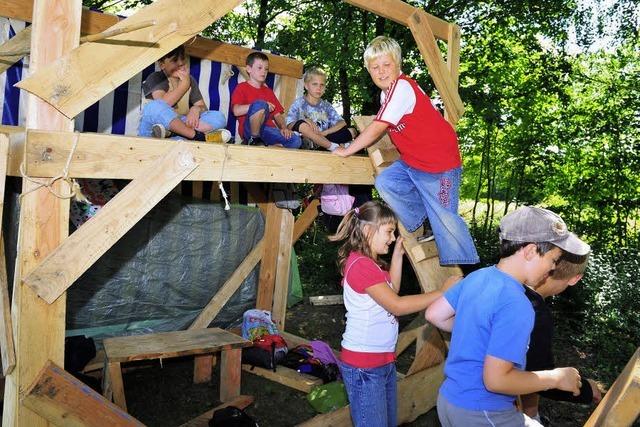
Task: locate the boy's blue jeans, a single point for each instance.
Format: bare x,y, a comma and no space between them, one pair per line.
158,111
270,135
372,395
415,195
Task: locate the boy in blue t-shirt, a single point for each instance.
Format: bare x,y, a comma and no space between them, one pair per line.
491,320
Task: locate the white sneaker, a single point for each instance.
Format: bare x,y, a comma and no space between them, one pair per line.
220,136
158,131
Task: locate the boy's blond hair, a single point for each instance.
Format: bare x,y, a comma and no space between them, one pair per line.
314,71
570,266
382,45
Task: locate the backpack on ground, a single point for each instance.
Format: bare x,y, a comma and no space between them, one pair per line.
230,416
269,348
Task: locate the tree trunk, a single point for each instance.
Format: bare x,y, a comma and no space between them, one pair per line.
261,23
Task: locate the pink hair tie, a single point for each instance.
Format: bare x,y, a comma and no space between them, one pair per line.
357,212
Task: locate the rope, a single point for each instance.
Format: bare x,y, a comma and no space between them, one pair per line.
220,186
48,183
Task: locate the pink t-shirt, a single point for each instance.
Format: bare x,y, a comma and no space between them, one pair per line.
244,94
370,337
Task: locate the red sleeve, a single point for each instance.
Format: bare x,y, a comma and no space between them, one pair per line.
365,273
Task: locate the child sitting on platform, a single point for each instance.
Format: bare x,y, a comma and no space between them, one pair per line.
176,106
424,183
259,113
315,118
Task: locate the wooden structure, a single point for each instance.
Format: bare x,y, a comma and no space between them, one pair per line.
67,78
166,345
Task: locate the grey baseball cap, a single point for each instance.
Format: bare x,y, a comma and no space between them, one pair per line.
537,225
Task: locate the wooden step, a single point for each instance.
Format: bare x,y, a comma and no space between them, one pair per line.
286,376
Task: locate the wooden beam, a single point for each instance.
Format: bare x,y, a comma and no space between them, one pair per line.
213,50
7,348
79,251
423,35
287,91
431,349
453,61
211,310
305,219
230,372
268,265
401,12
283,268
417,394
621,405
286,376
39,328
78,79
14,49
16,136
122,157
63,400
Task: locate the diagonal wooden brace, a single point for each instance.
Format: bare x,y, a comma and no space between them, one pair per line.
87,73
442,78
79,251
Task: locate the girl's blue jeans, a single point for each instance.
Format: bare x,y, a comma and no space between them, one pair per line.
269,135
372,395
159,112
415,195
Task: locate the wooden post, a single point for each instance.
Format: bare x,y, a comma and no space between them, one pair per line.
7,348
268,265
453,61
283,268
230,371
38,327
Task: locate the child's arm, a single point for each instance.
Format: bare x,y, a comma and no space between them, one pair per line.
284,130
440,314
171,97
193,116
395,271
500,376
397,305
368,136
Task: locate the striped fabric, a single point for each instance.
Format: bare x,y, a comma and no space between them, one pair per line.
119,111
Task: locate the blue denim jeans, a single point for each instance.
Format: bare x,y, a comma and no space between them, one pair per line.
270,135
372,395
158,111
415,195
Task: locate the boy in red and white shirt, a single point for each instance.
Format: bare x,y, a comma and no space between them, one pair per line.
424,184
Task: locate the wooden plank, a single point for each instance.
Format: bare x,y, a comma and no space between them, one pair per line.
63,400
418,24
287,90
165,345
430,352
283,268
122,157
305,219
621,405
384,157
39,328
213,50
453,61
14,49
89,72
326,300
7,349
79,251
286,376
116,386
268,265
417,394
203,368
16,137
424,250
400,12
230,371
211,310
241,402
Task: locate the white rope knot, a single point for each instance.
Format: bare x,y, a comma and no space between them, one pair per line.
48,183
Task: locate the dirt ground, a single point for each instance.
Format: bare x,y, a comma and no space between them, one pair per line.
166,396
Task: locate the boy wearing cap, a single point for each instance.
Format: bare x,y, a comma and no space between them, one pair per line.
491,319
